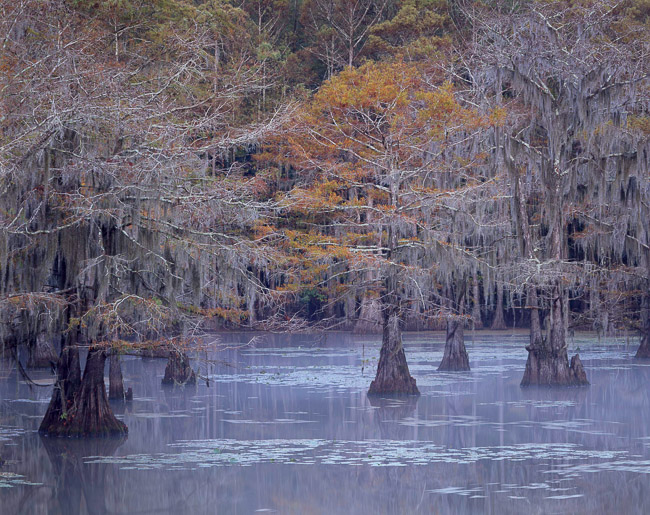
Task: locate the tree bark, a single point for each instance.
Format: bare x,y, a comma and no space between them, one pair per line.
178,370
66,388
455,357
393,376
90,415
548,363
115,381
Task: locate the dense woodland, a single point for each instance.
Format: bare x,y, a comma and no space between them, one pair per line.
172,167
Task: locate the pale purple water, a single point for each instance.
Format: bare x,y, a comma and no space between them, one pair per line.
286,427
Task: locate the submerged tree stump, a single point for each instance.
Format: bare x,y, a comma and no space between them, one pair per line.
393,376
90,414
115,380
41,353
178,370
455,358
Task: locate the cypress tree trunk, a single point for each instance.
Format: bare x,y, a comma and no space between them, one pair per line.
66,389
476,304
178,370
90,415
499,322
115,381
93,415
548,363
393,376
644,348
455,357
370,318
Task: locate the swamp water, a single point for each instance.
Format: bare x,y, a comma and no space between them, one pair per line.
286,427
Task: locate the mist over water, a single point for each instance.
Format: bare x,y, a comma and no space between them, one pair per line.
286,427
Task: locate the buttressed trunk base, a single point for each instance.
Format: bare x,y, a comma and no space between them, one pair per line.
545,368
90,414
393,376
548,363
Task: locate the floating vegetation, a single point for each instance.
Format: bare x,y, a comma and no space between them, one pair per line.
162,415
455,490
457,421
376,453
638,467
10,479
339,368
274,421
29,401
539,404
7,434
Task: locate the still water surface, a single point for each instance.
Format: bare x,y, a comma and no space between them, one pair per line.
286,427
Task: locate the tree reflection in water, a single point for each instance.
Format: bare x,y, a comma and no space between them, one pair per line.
80,487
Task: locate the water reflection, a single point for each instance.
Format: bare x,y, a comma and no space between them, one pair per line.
78,485
286,426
